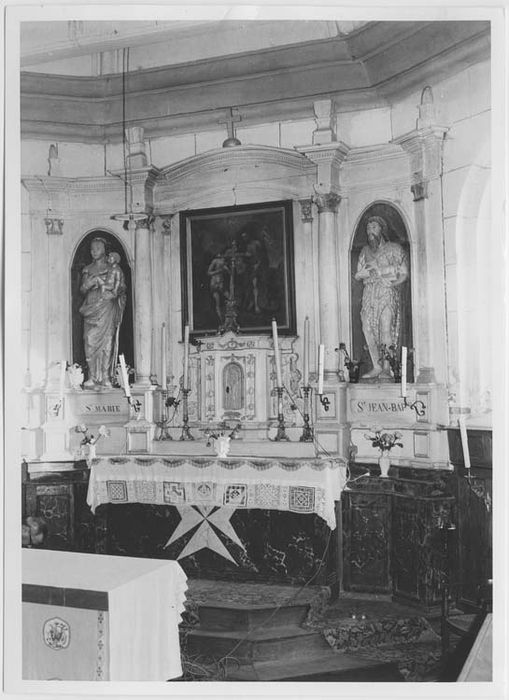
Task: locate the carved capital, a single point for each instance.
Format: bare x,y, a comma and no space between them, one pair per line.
167,223
306,211
420,190
145,223
327,202
54,227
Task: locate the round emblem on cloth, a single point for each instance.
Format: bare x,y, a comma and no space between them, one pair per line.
56,633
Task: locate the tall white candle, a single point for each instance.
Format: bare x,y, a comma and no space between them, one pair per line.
277,358
163,356
125,378
186,358
63,369
404,352
321,361
306,352
464,441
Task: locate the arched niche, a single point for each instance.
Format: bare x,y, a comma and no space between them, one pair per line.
82,258
397,232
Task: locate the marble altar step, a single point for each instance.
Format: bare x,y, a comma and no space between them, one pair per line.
262,644
318,667
239,617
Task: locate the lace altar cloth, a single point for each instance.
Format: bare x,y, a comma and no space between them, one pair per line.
295,485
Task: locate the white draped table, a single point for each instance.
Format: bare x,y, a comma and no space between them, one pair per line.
295,485
97,617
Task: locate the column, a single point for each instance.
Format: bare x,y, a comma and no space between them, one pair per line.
327,205
328,158
143,303
425,148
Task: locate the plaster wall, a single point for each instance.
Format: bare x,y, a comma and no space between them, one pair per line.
375,169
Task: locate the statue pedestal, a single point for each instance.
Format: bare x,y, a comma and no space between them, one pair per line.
56,431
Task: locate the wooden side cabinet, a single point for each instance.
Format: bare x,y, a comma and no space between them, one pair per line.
367,541
59,497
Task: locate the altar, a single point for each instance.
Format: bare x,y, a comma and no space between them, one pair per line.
88,617
240,518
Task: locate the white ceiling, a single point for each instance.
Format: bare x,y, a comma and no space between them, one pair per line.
85,48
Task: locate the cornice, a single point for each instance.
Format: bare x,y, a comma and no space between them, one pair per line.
239,156
51,184
279,82
366,155
334,153
413,140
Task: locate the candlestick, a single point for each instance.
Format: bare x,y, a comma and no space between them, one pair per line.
276,354
125,378
186,433
307,431
403,370
186,359
464,441
281,432
163,357
321,359
306,352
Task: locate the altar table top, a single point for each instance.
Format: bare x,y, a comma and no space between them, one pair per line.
296,485
144,599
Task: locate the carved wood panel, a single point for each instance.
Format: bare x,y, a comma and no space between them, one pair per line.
366,543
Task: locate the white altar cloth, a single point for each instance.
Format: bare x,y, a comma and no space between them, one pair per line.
296,485
98,617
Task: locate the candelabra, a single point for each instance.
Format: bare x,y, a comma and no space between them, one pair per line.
134,404
418,406
324,401
281,433
57,408
164,425
307,431
186,433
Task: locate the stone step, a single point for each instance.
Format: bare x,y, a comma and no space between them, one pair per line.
239,617
328,666
265,644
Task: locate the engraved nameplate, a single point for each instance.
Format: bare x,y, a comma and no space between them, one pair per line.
106,408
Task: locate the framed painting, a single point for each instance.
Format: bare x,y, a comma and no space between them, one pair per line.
238,269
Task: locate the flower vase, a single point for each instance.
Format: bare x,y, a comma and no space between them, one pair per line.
91,452
222,446
384,462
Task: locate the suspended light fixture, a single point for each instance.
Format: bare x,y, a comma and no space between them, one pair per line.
128,216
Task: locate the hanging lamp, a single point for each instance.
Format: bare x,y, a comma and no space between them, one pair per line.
128,216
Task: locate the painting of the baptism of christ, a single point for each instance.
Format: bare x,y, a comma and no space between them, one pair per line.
237,268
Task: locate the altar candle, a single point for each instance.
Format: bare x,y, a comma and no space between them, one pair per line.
404,352
464,441
306,352
63,369
163,356
125,378
186,358
321,359
277,358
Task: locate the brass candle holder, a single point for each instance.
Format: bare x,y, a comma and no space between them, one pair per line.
186,433
307,431
281,432
164,425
